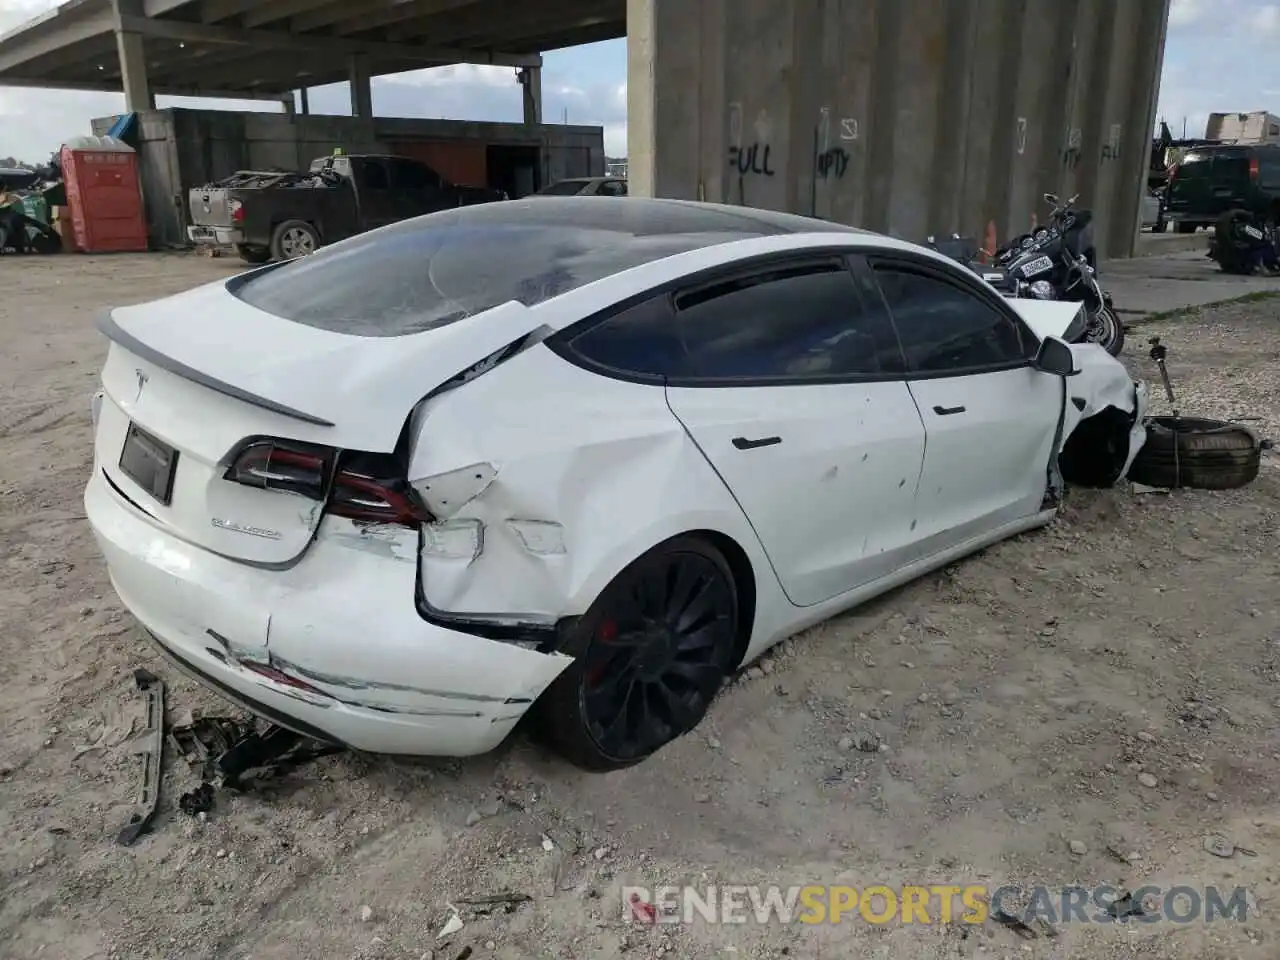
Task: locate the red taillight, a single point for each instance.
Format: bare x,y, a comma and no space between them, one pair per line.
1253,168
278,465
237,210
359,486
361,496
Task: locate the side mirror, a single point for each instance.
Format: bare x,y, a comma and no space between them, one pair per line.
1055,357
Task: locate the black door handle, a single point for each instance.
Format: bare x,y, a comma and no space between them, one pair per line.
742,443
947,411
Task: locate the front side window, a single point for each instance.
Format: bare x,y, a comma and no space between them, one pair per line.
788,324
944,328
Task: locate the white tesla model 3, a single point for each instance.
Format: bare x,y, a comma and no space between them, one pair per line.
587,454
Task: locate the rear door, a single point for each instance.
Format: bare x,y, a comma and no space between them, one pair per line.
794,394
990,417
379,203
419,189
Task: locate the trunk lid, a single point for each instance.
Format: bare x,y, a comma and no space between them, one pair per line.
202,372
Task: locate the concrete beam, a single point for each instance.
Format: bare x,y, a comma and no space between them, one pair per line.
133,72
339,15
512,22
278,40
215,11
361,87
280,74
16,51
159,8
531,87
163,91
276,10
572,38
322,16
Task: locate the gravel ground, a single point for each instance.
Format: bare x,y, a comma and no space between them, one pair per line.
1084,705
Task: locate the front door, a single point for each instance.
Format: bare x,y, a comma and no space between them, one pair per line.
795,395
991,419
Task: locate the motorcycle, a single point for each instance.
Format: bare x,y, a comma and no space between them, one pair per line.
1054,262
1240,242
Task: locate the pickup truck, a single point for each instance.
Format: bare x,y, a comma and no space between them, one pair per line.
278,215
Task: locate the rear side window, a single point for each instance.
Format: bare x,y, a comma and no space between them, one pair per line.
409,175
801,323
373,175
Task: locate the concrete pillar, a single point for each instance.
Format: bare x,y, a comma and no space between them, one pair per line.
530,79
361,88
304,104
909,117
133,72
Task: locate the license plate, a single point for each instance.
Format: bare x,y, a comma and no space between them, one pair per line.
1038,265
150,463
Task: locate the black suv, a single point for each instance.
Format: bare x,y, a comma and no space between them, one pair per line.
1209,181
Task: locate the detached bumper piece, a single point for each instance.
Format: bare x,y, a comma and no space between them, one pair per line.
152,750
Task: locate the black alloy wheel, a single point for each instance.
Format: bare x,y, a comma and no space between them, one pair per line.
652,653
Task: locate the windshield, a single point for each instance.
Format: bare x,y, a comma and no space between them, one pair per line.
565,188
424,273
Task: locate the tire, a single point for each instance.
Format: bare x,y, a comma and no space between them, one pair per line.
1231,256
1109,331
1198,453
254,255
1181,227
626,639
294,238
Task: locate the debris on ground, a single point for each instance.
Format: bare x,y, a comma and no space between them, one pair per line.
1220,846
267,753
202,741
197,801
151,748
452,925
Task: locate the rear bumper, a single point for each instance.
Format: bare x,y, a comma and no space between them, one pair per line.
331,647
215,236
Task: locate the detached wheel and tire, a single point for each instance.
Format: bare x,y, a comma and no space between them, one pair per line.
1198,453
294,238
651,654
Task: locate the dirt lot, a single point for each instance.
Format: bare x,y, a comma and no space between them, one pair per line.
1023,697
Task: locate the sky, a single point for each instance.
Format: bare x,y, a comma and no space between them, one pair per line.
1219,57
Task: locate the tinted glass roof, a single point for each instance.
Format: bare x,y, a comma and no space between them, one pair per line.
423,273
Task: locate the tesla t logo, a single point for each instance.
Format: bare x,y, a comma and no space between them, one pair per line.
142,382
232,527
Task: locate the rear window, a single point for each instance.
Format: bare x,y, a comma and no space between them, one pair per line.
565,188
434,270
1193,166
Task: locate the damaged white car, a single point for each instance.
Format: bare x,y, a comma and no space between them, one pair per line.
583,455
